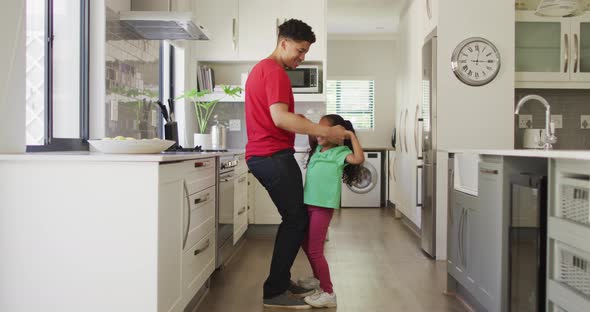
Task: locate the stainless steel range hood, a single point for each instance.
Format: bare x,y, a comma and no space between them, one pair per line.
162,25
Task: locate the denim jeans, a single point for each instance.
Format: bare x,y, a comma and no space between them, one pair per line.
281,176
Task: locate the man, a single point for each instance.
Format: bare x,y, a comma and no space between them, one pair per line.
271,126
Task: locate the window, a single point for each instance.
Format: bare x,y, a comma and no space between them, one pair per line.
57,75
353,99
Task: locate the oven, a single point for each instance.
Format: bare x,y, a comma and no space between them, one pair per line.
225,208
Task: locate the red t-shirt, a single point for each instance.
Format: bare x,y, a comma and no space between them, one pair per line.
267,84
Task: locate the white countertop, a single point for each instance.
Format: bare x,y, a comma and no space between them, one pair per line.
95,156
565,154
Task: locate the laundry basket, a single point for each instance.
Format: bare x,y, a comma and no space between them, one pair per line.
572,268
574,200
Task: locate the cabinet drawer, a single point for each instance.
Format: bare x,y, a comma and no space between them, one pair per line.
572,267
198,263
201,218
573,200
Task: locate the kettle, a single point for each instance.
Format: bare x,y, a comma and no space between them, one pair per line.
218,135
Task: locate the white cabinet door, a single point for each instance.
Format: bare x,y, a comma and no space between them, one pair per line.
170,205
258,28
240,206
543,48
265,211
580,63
220,17
313,13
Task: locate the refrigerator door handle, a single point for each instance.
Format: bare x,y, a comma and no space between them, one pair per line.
417,136
419,186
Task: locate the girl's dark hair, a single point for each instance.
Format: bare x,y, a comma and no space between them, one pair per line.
296,30
352,173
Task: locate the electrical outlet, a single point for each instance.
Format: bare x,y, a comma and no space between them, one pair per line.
525,121
235,125
557,120
585,122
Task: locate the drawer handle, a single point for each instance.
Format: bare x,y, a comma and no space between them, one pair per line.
201,199
200,164
488,171
200,250
188,222
242,210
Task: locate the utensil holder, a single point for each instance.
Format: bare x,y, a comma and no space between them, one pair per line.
171,133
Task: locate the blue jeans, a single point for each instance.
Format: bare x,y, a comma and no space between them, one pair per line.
281,176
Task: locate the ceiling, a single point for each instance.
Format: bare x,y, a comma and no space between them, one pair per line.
356,17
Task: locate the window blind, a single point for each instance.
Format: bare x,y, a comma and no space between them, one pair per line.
353,100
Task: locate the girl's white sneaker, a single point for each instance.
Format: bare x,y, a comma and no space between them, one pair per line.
321,300
309,282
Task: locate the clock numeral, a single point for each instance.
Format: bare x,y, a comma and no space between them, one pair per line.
470,73
484,48
470,49
465,68
464,54
484,73
489,54
463,61
477,47
476,75
491,61
488,68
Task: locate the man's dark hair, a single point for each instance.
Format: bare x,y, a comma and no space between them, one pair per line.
296,30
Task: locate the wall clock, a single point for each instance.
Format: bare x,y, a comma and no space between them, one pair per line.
475,61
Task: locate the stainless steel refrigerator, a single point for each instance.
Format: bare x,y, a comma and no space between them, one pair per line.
427,152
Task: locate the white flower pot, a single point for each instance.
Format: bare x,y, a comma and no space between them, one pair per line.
203,140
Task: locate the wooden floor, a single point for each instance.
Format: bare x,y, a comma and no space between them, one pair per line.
375,261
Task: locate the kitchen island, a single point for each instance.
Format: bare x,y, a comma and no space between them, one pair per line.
494,200
85,231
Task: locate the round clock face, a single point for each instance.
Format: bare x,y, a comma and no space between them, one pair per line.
475,61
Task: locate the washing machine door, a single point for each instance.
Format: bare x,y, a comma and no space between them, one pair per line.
368,179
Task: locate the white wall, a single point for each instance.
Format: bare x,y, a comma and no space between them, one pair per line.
373,58
12,77
476,117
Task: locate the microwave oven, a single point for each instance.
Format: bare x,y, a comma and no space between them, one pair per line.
305,79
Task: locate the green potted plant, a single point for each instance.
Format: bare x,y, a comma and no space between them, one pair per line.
204,110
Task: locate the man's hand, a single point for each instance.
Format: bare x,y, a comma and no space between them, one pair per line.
336,135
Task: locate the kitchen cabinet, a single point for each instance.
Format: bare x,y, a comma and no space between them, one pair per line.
127,234
247,30
221,19
392,177
265,211
552,52
240,215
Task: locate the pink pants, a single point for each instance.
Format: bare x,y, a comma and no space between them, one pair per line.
313,245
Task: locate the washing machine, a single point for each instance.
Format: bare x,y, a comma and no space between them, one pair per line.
366,192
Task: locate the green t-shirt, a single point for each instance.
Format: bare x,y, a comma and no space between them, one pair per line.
323,180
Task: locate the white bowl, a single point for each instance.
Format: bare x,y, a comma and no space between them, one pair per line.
131,146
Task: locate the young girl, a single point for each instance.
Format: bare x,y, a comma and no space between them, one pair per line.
327,166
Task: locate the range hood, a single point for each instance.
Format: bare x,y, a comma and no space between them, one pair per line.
162,25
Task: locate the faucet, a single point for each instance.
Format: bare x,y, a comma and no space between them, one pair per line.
549,138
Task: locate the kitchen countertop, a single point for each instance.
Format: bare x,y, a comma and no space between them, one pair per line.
95,156
564,154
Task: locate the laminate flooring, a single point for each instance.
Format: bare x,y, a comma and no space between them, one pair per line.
375,261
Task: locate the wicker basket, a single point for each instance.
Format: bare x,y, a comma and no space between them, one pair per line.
574,200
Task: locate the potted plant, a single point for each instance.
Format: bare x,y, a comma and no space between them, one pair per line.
204,110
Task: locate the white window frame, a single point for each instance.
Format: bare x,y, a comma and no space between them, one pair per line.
371,78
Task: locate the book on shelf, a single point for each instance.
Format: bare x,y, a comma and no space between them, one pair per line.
205,78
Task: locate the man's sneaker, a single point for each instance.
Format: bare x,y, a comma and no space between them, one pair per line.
299,291
309,282
286,301
321,300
